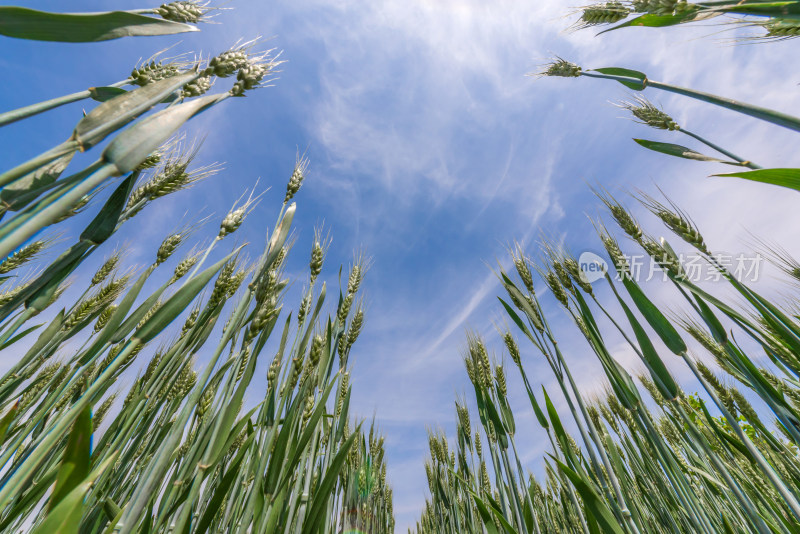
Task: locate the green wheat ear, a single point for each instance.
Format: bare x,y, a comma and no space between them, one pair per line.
603,13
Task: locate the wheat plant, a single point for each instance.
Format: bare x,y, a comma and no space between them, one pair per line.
646,455
125,410
648,458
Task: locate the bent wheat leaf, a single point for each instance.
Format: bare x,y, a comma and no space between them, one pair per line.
128,149
486,516
104,224
626,73
316,514
19,336
66,516
784,10
75,463
660,324
24,23
12,196
101,94
655,365
592,503
679,151
6,420
122,109
782,177
489,514
652,20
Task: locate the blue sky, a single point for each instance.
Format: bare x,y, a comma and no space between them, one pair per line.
431,151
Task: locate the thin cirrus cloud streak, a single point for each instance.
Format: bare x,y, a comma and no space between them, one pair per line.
427,69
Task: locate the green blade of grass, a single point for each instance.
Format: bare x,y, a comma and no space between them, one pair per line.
679,151
24,23
789,178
